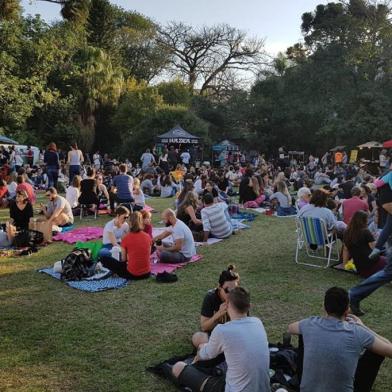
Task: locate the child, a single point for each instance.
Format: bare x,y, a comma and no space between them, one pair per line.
138,195
147,222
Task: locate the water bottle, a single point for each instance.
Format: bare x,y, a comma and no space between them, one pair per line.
116,252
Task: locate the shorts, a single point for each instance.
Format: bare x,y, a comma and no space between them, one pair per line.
194,379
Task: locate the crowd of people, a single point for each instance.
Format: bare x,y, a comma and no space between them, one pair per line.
355,205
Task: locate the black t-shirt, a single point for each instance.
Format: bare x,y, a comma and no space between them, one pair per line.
246,192
211,305
361,250
21,217
223,184
213,193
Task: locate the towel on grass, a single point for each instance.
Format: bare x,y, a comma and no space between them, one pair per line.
81,234
258,210
157,268
101,281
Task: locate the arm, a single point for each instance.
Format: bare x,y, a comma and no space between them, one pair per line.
176,247
209,323
213,348
124,256
163,235
112,238
191,212
81,156
294,328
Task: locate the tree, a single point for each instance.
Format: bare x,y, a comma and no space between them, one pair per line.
9,10
202,56
98,83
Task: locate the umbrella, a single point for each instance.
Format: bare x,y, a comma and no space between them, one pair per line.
387,144
7,140
371,145
337,148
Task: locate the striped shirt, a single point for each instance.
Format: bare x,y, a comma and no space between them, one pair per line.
216,220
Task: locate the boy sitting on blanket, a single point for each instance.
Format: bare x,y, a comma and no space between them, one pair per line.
183,248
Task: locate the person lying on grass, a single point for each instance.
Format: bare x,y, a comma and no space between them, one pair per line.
214,308
333,344
183,248
244,343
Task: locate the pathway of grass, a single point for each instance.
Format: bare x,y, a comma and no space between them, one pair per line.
54,338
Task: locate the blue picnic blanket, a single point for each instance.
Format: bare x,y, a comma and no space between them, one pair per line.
102,282
244,216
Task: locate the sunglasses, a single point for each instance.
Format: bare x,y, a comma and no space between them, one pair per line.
227,290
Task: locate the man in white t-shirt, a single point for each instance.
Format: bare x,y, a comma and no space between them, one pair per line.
183,248
147,159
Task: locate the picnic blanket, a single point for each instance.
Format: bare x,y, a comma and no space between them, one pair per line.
101,281
258,210
82,234
244,216
157,268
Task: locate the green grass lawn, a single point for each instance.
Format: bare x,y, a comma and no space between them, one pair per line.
55,338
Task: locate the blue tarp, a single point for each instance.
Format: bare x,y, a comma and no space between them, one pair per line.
7,140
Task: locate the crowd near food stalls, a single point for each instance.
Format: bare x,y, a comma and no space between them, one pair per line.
225,151
6,142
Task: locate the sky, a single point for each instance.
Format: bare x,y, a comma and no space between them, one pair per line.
276,21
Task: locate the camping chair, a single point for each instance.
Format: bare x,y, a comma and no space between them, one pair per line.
313,232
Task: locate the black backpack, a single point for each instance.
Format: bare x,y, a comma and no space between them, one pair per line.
30,238
77,265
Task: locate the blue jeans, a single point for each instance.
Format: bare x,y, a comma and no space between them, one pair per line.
385,233
53,175
106,250
74,170
367,286
286,211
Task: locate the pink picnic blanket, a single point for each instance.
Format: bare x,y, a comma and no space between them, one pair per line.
82,234
156,268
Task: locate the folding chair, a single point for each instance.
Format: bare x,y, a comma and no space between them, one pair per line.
86,207
313,232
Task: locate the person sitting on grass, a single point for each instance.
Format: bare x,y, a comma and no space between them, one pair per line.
114,231
122,188
354,204
138,196
147,222
73,192
135,252
282,196
183,248
58,211
103,194
358,244
3,194
215,218
21,211
333,344
214,308
244,343
187,212
23,185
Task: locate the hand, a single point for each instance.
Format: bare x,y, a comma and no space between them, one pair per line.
222,309
351,318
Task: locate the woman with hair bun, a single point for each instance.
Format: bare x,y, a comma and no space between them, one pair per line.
214,308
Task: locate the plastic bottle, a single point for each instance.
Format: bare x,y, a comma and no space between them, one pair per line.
116,252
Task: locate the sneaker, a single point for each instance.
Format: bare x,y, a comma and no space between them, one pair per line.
355,309
375,254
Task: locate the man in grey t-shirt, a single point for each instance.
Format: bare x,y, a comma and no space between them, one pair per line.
244,342
333,345
58,211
